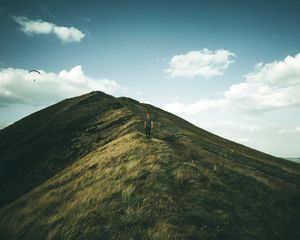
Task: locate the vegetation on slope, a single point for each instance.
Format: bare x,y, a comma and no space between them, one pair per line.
122,186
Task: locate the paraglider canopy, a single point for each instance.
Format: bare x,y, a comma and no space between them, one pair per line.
30,71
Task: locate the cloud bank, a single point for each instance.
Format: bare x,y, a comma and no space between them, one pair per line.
17,86
193,108
204,63
269,87
65,34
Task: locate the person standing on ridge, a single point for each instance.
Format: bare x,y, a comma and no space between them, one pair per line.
148,125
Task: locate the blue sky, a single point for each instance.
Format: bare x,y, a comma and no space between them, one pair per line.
230,67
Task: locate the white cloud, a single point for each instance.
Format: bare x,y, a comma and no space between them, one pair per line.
65,34
68,34
298,129
205,63
19,86
271,86
193,108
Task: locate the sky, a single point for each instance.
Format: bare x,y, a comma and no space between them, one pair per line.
230,67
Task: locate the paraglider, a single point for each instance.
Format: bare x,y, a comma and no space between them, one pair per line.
32,70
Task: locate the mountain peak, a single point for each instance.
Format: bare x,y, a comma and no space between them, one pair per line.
83,169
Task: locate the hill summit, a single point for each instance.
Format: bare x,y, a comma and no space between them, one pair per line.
83,169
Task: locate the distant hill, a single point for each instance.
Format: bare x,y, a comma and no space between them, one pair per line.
82,169
293,159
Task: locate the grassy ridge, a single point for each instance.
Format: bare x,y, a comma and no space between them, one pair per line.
184,184
42,144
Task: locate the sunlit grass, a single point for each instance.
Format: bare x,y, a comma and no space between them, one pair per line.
168,188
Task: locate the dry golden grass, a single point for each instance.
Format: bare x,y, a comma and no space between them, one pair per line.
125,187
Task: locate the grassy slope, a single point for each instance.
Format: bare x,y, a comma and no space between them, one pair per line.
44,143
128,188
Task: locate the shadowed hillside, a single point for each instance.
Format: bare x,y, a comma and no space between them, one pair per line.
82,169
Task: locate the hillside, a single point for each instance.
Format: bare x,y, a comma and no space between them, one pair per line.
82,169
297,160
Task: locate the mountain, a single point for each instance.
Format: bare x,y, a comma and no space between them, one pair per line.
82,169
